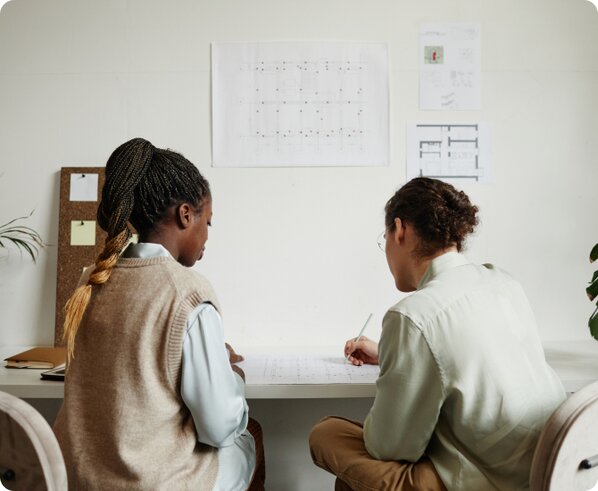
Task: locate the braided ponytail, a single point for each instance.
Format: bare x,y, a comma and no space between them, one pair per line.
125,168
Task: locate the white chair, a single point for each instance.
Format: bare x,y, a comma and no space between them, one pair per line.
566,456
30,458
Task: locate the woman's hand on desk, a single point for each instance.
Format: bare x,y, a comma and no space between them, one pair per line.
237,370
232,356
363,351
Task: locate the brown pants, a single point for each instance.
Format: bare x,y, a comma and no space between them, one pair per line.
258,479
337,446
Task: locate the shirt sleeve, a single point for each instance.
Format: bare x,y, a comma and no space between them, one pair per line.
409,394
210,389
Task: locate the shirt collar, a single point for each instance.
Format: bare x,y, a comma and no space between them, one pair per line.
145,250
440,264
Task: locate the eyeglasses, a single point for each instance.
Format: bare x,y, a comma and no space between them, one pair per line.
382,241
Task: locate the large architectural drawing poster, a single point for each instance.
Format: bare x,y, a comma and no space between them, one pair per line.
300,104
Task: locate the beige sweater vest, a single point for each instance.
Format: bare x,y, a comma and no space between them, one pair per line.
123,424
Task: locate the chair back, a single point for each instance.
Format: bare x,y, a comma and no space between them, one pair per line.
566,456
30,457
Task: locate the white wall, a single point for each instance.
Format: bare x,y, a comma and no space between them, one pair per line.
293,251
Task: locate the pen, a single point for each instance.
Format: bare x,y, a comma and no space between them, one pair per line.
589,462
360,334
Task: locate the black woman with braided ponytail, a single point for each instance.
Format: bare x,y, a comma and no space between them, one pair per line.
153,398
464,389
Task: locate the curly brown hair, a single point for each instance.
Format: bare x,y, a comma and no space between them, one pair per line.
441,215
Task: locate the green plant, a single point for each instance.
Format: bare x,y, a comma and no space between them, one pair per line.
592,291
24,238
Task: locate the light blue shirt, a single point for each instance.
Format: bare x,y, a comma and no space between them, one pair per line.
213,393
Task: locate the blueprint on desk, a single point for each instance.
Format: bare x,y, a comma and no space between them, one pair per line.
299,369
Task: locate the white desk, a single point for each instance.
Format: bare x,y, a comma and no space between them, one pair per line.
275,406
27,384
576,363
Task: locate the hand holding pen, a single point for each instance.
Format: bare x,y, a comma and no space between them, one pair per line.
361,350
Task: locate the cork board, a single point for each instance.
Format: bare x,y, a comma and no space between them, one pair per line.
80,191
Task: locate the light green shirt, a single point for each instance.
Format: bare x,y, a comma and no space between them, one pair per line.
463,378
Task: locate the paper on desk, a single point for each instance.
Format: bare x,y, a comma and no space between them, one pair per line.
292,369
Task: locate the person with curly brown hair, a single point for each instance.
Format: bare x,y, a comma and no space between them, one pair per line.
464,389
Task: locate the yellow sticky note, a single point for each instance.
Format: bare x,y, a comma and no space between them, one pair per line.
83,232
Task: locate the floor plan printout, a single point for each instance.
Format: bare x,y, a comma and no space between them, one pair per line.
300,104
450,152
290,369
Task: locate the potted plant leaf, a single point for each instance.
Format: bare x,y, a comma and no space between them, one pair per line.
592,291
22,237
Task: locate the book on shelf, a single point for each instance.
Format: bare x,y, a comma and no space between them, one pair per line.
40,357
